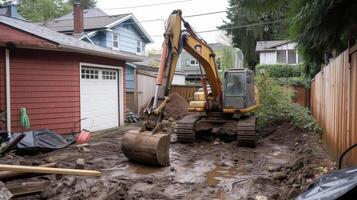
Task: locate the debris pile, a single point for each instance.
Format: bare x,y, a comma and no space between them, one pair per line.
176,107
131,117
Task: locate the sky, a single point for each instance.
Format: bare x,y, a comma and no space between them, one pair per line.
188,7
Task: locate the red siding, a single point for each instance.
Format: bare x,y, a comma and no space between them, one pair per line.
20,38
2,86
47,84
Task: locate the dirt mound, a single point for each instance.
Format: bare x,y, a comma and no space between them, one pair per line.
177,106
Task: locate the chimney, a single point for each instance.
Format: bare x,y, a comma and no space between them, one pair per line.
78,24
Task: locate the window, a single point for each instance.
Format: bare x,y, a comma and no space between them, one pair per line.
109,75
138,46
187,62
281,56
193,63
89,73
126,26
115,41
291,57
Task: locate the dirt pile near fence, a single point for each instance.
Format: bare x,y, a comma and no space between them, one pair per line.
177,106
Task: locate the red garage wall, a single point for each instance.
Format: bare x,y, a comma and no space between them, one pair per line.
2,86
47,83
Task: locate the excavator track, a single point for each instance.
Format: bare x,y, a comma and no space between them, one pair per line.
185,128
247,135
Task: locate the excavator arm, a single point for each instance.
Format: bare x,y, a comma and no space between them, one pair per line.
175,39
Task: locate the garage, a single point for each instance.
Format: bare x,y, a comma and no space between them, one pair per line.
99,96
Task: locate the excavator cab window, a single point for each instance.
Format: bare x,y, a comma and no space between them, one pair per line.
234,84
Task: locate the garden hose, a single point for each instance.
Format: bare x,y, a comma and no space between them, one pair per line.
24,119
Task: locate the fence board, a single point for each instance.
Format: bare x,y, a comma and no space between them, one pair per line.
333,104
186,91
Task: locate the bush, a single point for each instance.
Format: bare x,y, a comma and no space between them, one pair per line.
276,106
280,70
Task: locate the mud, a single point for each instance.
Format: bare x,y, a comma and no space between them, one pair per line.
176,107
283,165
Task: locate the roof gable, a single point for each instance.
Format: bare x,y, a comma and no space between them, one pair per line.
269,45
64,42
96,19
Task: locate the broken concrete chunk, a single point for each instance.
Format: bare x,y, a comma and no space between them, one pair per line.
279,176
80,163
5,194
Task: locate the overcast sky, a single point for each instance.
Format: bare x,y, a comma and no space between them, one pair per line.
188,7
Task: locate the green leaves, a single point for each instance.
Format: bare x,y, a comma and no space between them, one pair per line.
280,70
276,106
269,25
42,10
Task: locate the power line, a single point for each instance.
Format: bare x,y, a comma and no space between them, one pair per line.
206,31
150,20
147,5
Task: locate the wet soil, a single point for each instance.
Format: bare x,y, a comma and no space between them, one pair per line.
283,164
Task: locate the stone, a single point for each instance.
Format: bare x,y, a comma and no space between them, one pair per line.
260,197
279,176
5,194
80,162
171,119
293,193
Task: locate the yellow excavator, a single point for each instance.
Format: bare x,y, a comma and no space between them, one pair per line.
215,106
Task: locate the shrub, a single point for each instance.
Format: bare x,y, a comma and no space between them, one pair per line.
276,106
280,70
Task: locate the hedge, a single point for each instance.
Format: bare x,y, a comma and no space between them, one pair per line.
280,70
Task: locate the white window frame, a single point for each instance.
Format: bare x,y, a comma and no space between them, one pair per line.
113,35
120,82
196,63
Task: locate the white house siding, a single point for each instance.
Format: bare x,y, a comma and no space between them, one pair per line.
267,57
179,79
146,89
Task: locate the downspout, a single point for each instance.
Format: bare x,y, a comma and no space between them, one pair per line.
8,102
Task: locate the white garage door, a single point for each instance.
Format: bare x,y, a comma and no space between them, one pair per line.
99,98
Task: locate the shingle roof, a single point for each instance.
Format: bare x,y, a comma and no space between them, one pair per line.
94,12
90,23
68,43
269,45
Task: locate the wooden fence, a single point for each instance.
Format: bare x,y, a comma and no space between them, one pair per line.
333,104
186,91
302,95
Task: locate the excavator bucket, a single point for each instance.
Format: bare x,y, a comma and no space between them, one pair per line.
146,147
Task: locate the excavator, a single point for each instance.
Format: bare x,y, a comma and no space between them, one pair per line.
219,105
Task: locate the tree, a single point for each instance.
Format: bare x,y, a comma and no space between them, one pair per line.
42,10
85,4
322,28
248,24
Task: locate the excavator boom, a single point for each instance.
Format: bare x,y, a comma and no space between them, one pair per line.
151,146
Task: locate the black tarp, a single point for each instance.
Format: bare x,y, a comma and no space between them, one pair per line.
40,140
339,184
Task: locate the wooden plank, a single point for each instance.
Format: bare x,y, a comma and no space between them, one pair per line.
6,175
48,170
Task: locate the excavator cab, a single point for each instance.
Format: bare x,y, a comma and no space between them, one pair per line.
238,89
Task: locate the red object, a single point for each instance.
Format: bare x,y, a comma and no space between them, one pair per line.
78,23
46,82
83,137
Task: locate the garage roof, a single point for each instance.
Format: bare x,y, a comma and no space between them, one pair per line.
68,43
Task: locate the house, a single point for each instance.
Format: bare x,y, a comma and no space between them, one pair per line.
65,84
118,32
278,52
9,9
226,57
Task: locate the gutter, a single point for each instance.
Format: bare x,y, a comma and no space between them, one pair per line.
8,99
127,58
